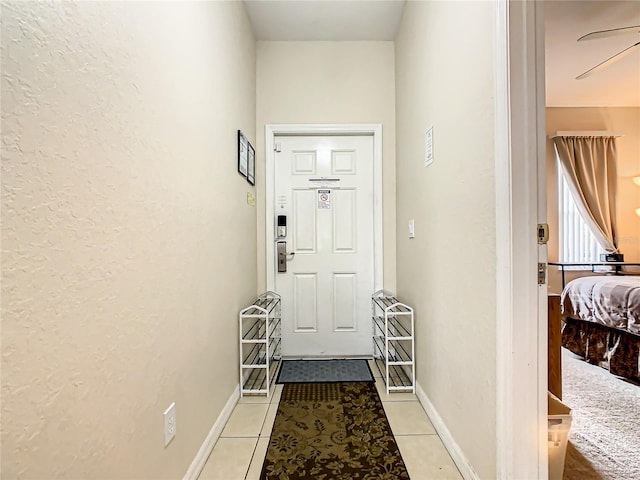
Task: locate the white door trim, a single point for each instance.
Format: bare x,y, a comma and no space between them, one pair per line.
271,132
521,313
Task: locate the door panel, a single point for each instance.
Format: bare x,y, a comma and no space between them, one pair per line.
344,221
305,302
304,163
343,162
324,185
345,316
304,221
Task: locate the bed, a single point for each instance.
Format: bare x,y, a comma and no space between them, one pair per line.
602,322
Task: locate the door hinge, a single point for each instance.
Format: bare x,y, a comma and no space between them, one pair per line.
542,273
276,147
543,233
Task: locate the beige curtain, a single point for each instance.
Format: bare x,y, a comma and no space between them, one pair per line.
589,166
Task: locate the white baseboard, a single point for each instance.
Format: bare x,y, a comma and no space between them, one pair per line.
207,446
466,470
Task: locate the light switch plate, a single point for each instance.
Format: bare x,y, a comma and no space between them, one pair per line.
412,229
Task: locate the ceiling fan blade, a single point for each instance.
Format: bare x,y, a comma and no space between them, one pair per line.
608,61
610,33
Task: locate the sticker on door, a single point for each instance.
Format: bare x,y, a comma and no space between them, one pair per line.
324,199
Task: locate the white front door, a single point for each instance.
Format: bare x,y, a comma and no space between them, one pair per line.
324,186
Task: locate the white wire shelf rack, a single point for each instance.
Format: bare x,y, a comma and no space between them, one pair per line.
393,341
260,344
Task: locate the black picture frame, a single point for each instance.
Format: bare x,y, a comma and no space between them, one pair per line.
243,154
251,164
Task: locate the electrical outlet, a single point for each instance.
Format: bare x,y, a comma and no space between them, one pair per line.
169,423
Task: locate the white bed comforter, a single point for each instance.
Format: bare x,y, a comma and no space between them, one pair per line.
613,301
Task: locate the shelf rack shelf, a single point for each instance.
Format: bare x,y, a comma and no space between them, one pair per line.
393,341
260,345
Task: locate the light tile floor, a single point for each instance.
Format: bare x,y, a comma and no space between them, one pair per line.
242,446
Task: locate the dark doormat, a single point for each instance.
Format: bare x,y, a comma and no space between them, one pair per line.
324,371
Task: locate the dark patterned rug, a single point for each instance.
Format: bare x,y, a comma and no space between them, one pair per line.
332,431
324,371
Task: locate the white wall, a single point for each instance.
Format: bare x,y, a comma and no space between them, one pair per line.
625,120
328,82
444,79
128,246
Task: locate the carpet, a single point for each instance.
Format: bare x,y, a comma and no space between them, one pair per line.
332,431
324,371
604,441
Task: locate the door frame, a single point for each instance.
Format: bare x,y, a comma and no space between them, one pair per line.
272,131
521,313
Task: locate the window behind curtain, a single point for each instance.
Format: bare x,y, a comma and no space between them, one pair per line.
577,243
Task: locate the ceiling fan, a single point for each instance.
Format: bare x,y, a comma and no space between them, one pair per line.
617,56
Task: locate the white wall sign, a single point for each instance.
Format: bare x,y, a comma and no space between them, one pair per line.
428,146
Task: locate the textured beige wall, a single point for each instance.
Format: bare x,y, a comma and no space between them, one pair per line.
444,79
329,82
625,120
128,246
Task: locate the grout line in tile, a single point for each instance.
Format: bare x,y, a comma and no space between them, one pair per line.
255,447
246,471
264,422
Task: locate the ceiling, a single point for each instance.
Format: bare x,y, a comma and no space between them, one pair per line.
565,22
316,20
